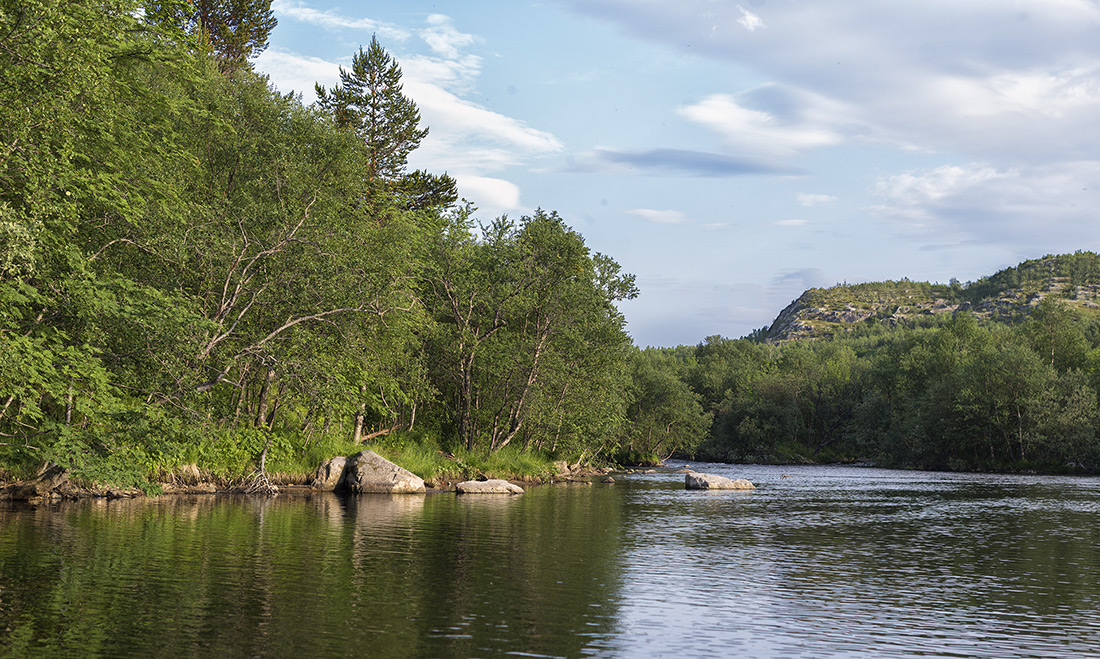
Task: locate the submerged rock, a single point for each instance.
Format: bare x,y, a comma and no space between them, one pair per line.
492,486
367,471
694,481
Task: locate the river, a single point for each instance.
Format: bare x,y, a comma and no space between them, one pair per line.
817,562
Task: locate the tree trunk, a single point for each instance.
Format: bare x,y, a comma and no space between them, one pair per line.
360,417
515,422
69,405
265,389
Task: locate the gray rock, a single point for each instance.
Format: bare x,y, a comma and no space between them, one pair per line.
49,479
696,481
492,486
328,474
367,471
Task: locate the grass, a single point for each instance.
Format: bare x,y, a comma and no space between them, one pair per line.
230,455
424,457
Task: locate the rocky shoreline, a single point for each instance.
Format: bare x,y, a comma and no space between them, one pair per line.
362,473
52,482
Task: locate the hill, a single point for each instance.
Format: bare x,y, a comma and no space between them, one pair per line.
1005,296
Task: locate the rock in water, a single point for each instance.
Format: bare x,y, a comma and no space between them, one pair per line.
328,474
695,481
492,486
46,482
367,471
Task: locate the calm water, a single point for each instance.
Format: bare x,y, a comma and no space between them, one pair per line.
818,562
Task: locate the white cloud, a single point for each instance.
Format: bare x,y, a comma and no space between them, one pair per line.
1048,94
791,223
331,20
444,39
749,20
458,75
493,196
809,200
465,135
759,132
1032,209
996,81
659,216
293,72
920,190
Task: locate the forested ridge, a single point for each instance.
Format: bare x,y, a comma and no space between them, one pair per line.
998,374
196,269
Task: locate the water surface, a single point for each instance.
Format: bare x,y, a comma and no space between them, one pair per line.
818,562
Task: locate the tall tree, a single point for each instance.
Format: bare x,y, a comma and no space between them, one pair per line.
520,314
370,101
234,30
664,415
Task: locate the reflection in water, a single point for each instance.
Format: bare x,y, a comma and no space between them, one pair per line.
817,562
322,576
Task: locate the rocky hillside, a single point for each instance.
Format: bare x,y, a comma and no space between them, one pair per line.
1005,296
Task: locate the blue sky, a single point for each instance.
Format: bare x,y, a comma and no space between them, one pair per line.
732,155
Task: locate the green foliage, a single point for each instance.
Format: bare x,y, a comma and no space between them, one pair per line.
195,268
956,395
233,30
527,343
636,457
424,456
664,416
370,102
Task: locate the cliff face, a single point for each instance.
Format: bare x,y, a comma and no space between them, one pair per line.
1006,296
824,312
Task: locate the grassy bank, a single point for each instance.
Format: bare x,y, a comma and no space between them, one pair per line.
231,457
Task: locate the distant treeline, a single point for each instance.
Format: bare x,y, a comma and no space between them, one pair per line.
949,393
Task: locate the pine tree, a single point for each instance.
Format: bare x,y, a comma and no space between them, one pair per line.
370,101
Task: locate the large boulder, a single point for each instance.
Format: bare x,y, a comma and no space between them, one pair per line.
328,474
367,471
492,486
46,483
696,481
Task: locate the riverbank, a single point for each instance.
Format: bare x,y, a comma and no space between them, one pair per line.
53,483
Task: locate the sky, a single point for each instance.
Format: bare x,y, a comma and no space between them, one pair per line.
733,154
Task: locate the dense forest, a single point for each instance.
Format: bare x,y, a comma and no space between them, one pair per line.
947,391
197,269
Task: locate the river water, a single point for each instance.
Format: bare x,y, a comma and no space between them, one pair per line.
817,562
